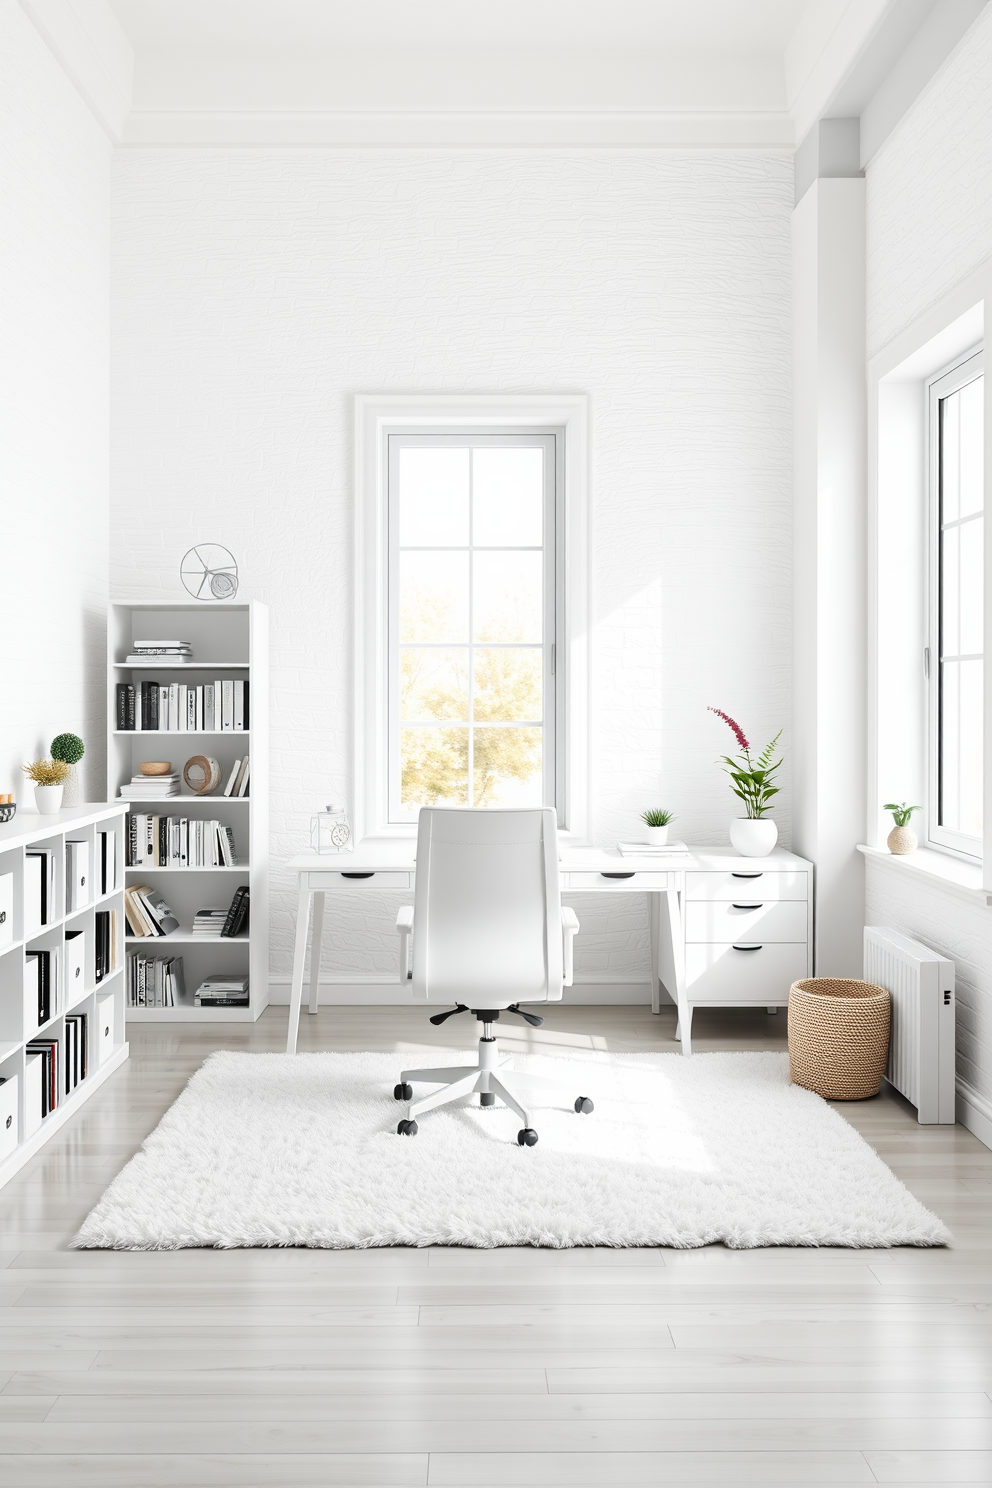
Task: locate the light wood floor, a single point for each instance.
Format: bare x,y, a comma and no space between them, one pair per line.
285,1368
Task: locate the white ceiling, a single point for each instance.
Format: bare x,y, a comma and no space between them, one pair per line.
696,73
746,26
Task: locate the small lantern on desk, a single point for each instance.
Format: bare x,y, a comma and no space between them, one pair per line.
329,830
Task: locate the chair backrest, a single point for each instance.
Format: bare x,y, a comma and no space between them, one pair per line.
487,912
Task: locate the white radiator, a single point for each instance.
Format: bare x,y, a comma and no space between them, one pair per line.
921,1050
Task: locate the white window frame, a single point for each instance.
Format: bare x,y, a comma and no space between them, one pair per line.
379,415
964,369
553,763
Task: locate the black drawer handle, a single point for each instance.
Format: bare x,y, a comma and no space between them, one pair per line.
359,875
616,875
748,947
745,875
747,906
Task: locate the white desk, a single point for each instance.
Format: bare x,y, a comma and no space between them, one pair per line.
724,930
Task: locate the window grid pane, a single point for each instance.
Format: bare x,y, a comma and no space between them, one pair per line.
960,610
472,642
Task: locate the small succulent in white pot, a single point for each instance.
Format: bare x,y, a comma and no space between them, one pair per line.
657,820
902,838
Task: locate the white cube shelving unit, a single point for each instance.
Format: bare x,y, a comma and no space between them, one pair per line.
107,1051
229,641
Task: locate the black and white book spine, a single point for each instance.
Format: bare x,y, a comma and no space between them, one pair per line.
239,706
227,706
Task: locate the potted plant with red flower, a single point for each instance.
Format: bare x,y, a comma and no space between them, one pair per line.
752,781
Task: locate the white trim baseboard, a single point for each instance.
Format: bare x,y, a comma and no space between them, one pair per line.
974,1111
371,989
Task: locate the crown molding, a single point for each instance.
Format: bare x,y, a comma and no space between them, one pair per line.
351,129
93,50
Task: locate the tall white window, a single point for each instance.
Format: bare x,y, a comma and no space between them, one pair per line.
474,599
956,608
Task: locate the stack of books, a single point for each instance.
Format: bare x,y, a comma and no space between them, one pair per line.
642,850
171,653
179,842
147,912
155,981
211,924
208,924
178,707
150,787
222,991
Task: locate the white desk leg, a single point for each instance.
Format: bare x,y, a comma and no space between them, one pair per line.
671,962
299,957
654,929
316,946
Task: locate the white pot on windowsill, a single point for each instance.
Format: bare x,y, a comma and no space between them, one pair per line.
753,837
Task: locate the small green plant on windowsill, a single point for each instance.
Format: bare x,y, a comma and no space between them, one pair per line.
902,838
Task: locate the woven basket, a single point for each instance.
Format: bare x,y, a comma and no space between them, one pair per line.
838,1036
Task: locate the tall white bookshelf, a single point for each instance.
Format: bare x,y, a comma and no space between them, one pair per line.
23,1130
229,642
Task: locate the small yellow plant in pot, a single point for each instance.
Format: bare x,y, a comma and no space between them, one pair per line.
49,776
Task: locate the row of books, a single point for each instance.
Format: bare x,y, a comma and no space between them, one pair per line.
84,881
147,913
53,1069
215,924
43,989
155,981
105,937
160,982
183,708
179,842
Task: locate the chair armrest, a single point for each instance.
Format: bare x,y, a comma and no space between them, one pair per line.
569,930
404,924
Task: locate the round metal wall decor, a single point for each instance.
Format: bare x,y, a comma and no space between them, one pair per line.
202,774
209,571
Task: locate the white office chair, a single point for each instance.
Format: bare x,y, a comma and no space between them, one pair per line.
488,932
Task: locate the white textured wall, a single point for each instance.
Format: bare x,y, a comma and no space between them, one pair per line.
255,292
54,408
930,224
930,191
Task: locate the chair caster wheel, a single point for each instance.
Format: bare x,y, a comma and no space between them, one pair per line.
527,1137
407,1129
584,1105
403,1092
487,1098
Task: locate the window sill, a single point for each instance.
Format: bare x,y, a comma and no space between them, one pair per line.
963,880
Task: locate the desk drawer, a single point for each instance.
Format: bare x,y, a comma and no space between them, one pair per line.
746,883
361,878
638,883
722,976
745,919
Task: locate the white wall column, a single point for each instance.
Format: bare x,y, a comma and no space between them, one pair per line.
829,558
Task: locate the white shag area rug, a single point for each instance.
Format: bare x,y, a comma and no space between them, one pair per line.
272,1149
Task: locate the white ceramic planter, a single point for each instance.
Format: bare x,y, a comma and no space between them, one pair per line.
656,836
753,838
48,799
70,788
